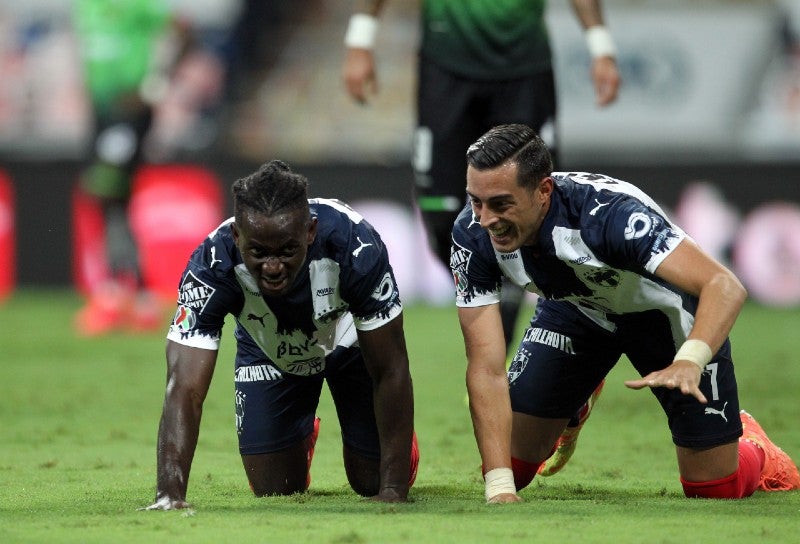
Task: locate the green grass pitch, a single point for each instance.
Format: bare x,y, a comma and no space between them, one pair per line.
78,421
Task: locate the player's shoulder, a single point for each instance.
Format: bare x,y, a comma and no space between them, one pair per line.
590,185
217,252
469,237
340,226
333,215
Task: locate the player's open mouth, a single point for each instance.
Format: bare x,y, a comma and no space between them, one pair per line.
273,285
499,233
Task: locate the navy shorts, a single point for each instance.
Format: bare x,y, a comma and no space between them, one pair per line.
564,356
275,410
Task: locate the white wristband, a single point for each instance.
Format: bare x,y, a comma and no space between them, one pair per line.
499,481
600,42
695,351
361,31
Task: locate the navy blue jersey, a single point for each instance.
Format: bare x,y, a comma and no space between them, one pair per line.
345,284
598,248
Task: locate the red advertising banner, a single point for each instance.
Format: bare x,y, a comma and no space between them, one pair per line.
8,245
172,208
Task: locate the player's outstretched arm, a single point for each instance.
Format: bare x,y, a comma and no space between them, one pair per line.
489,403
386,358
721,297
189,372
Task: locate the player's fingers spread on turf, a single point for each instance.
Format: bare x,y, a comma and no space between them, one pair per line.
165,503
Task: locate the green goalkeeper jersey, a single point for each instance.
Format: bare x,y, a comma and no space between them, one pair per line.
117,39
486,39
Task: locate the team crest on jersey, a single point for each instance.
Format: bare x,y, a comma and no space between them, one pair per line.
194,294
518,365
459,264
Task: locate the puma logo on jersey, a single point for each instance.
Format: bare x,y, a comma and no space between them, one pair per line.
593,211
214,259
254,317
357,250
720,413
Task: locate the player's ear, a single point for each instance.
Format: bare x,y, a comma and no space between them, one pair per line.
312,231
545,188
235,232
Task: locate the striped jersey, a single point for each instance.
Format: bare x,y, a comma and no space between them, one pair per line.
598,248
346,284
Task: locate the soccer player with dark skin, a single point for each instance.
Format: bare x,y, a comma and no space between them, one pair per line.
270,268
614,276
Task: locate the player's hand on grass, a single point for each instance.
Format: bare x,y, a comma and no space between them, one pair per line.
503,498
683,375
166,503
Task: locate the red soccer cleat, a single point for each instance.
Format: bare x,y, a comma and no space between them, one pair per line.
312,442
414,460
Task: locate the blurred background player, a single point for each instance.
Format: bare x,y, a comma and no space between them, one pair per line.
481,63
313,293
128,49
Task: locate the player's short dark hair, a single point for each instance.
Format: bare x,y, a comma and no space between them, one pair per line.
271,190
513,143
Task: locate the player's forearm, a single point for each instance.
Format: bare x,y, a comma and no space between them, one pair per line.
490,408
177,440
386,357
588,12
721,300
394,412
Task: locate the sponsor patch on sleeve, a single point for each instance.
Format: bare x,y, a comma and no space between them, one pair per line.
194,294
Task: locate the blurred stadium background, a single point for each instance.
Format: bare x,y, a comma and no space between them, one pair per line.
708,122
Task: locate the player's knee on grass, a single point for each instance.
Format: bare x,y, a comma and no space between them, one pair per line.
279,473
740,484
363,473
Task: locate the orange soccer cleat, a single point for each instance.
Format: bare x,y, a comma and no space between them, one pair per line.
779,472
